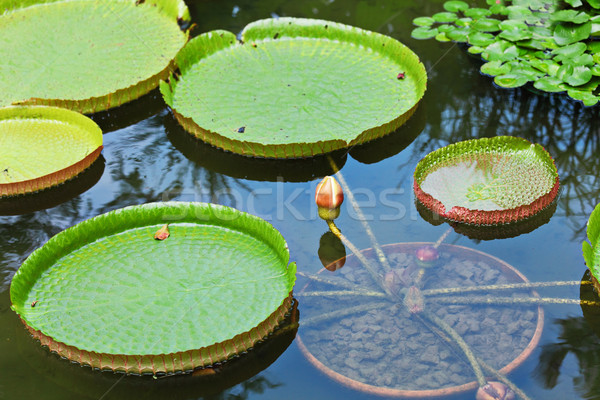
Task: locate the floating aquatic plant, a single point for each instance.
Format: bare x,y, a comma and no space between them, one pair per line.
294,87
44,146
548,43
487,181
107,294
87,55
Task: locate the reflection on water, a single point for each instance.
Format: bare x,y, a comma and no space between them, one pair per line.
144,163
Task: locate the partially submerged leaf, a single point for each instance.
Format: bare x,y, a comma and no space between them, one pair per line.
482,181
511,80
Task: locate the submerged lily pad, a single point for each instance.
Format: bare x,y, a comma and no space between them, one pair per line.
107,294
294,87
44,146
86,55
487,181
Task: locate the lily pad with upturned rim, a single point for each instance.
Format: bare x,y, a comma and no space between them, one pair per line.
107,294
86,55
487,181
44,146
294,87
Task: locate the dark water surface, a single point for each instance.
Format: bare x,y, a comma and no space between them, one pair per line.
147,157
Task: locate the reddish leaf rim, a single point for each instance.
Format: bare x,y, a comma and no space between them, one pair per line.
183,361
481,217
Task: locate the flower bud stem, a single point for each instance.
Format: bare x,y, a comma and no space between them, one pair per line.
376,277
380,254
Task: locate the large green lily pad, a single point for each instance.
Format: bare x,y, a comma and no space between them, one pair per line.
44,146
86,55
294,87
107,294
487,181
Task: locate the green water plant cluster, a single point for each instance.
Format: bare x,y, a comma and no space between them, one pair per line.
548,43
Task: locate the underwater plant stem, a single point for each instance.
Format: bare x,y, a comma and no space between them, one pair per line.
460,343
320,279
491,370
525,285
442,238
343,312
513,300
380,254
376,277
342,293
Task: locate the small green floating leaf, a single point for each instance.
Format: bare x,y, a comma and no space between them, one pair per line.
511,80
441,37
585,60
594,3
454,6
549,84
477,13
567,33
481,39
595,70
459,35
494,68
574,3
445,28
518,12
574,76
572,50
475,50
463,22
501,50
593,47
424,32
511,24
586,97
486,25
423,21
574,16
515,35
444,17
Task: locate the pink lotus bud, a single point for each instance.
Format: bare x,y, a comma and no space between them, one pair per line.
427,256
495,391
329,197
162,233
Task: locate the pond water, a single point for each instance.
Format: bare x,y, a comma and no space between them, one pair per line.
147,158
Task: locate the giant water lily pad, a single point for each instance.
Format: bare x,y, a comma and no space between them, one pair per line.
107,294
86,55
44,146
487,181
294,87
